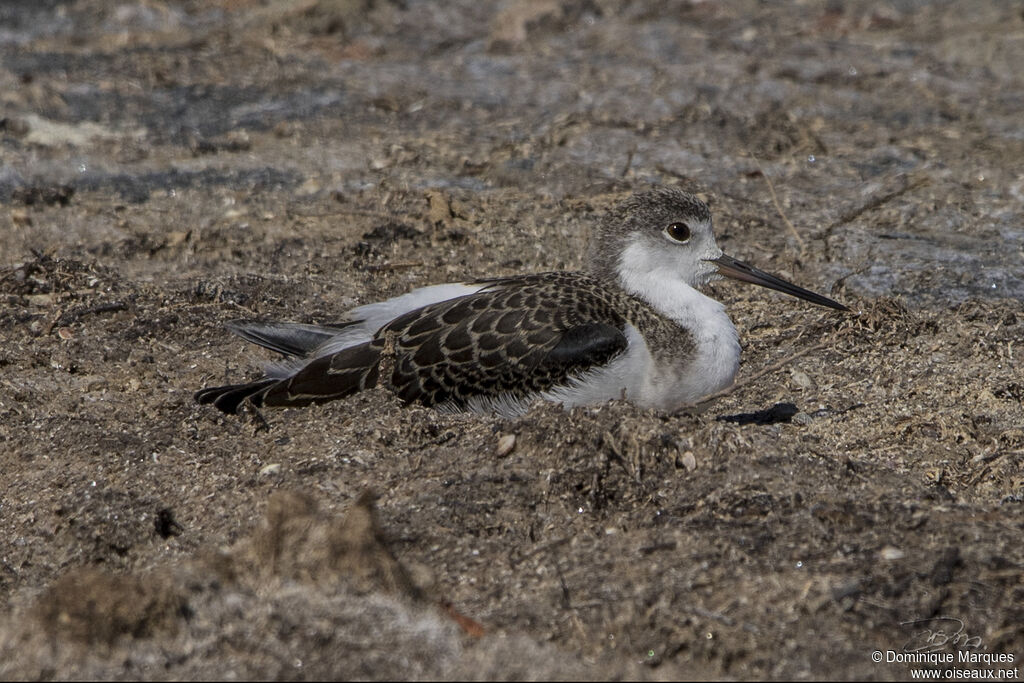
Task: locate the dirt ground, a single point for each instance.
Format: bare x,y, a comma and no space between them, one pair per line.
170,166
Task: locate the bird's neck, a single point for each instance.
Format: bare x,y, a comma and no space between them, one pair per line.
664,290
700,352
674,299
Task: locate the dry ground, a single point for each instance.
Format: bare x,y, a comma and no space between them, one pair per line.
169,166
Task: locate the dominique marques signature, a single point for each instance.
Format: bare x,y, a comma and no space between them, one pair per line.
936,633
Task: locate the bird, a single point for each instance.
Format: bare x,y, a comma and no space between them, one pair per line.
634,325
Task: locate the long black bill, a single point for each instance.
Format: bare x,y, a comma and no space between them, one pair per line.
738,270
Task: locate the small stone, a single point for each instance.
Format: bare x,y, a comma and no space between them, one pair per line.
178,237
891,554
422,576
801,379
689,461
505,445
270,470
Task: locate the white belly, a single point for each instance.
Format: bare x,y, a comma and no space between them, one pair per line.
666,385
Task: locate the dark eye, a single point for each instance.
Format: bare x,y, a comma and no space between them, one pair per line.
680,232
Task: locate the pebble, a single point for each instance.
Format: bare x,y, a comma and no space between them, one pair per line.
890,554
689,461
270,470
801,379
505,445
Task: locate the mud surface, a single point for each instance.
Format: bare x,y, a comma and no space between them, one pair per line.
167,167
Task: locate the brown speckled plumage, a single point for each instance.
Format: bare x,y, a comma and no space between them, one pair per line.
512,340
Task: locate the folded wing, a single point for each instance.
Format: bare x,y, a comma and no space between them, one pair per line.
509,341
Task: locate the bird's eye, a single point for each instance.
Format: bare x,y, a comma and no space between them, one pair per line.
680,232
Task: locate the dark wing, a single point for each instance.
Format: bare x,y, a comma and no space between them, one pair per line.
517,337
327,378
321,380
228,398
290,339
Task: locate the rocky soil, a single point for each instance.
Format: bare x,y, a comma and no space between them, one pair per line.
166,167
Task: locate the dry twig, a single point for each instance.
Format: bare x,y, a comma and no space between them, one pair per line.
778,206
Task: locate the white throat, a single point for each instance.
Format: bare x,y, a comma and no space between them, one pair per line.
717,357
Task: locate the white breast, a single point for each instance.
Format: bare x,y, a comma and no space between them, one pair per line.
667,383
709,366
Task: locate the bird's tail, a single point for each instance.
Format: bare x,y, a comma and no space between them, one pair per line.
228,398
291,339
321,380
